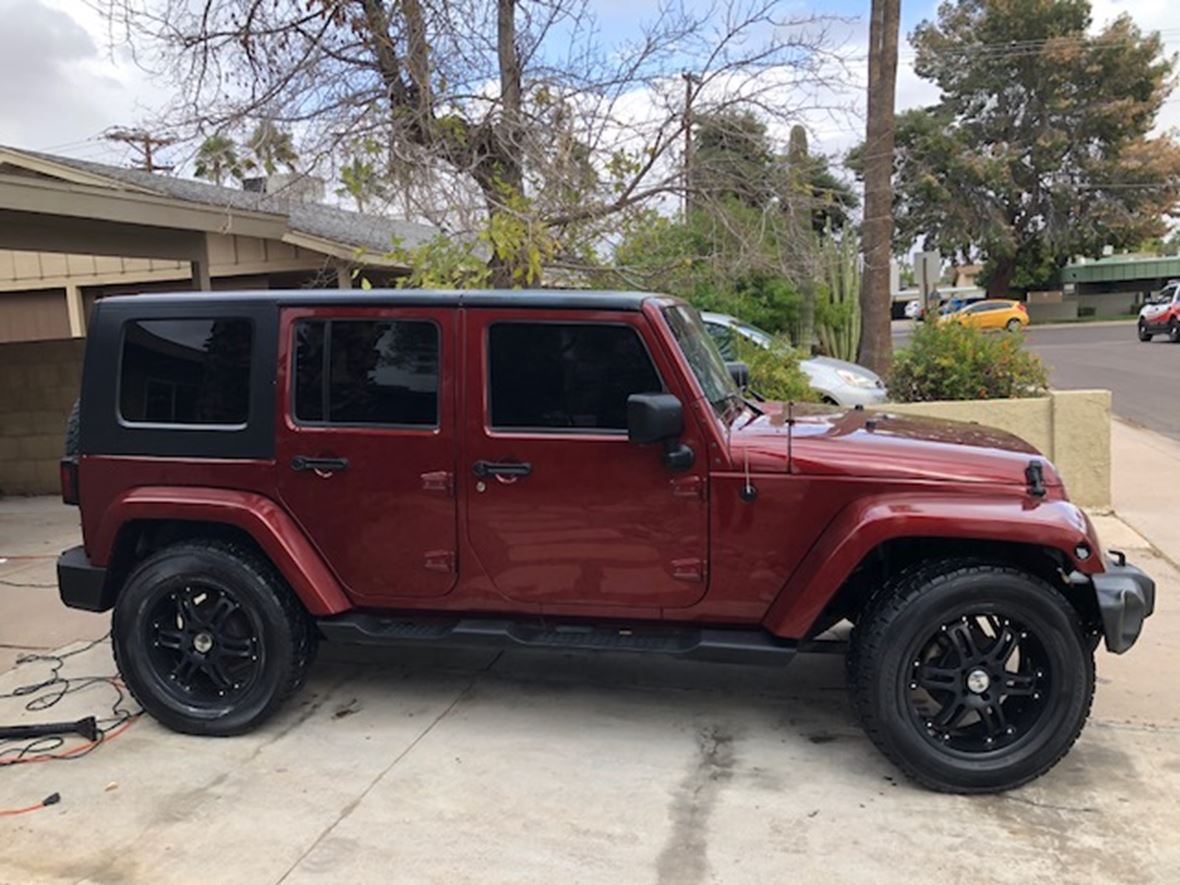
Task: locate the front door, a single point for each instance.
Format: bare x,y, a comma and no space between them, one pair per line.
367,445
561,509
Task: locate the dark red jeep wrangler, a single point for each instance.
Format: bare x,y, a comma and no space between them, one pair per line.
258,472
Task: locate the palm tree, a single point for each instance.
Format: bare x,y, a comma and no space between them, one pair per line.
876,342
217,158
271,148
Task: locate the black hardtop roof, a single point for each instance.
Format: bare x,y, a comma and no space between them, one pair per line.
536,298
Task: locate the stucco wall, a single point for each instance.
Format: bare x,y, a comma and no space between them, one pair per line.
38,386
1071,427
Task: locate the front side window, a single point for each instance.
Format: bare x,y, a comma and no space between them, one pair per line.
566,376
367,372
186,372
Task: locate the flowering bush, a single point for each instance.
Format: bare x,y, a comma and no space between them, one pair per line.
952,361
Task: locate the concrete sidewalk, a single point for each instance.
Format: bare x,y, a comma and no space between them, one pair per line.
1145,483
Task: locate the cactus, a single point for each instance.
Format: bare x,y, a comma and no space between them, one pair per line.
837,310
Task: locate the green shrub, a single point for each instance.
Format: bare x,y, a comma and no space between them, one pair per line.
950,361
775,373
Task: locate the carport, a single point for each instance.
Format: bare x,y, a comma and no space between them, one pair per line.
72,231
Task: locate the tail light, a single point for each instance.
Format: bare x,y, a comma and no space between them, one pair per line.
1023,307
68,472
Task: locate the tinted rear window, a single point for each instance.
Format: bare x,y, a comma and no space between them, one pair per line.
186,372
380,372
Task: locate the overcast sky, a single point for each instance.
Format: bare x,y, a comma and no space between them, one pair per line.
61,84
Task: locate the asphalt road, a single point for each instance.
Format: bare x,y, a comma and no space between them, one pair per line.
1142,377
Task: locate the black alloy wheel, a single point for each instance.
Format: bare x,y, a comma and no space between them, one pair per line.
1144,334
205,645
209,638
979,683
971,676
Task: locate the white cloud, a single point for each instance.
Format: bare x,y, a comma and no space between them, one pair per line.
59,87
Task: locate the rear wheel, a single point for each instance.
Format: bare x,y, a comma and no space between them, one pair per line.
1144,335
1174,332
1013,325
208,638
971,677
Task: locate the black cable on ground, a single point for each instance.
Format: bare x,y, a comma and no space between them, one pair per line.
47,693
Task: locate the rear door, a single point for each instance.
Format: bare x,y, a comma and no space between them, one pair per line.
366,444
562,509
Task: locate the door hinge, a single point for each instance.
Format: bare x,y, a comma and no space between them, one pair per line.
440,561
688,487
688,569
439,481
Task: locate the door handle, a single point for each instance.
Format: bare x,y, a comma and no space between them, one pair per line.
502,468
322,466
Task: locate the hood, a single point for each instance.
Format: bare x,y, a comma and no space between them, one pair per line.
827,441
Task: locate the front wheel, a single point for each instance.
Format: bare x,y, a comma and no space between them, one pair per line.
209,639
1144,335
971,677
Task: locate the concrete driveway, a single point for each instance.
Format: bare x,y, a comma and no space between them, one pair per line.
540,767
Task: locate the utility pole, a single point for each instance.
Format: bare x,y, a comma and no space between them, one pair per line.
690,80
876,343
144,144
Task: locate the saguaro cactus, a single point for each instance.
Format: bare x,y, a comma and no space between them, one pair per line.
837,315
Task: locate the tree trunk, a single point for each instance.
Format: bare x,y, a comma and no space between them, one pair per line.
876,343
1000,281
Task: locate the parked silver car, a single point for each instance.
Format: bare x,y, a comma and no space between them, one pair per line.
836,381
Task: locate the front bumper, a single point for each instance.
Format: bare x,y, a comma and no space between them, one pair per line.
1126,598
81,584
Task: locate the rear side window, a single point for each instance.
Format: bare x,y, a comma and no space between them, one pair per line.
186,372
367,372
566,376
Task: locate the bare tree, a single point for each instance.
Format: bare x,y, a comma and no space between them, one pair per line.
508,110
876,343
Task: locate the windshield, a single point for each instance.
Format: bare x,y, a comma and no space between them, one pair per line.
759,336
700,351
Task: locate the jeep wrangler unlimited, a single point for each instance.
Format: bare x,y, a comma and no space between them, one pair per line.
258,472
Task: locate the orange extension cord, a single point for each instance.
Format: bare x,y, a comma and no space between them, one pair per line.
86,747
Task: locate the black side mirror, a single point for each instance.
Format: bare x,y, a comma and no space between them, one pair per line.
659,417
654,417
740,373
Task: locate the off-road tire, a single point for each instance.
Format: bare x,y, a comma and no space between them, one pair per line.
72,430
1144,335
286,641
914,605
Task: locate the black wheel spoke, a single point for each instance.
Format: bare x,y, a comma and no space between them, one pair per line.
993,720
233,647
1019,684
963,641
1003,647
173,639
951,715
934,678
222,609
216,672
186,668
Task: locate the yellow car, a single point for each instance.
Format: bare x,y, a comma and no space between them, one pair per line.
992,314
